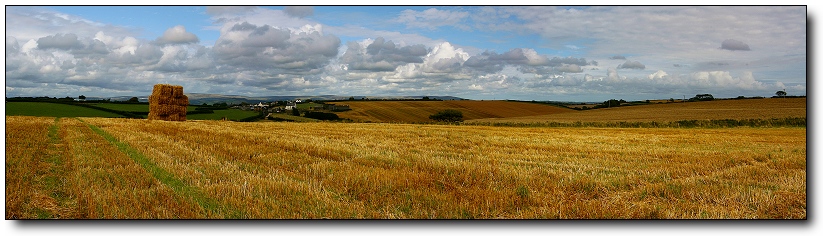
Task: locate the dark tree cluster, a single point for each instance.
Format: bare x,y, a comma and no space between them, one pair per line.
448,115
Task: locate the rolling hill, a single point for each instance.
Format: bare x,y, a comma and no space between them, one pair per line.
419,111
767,108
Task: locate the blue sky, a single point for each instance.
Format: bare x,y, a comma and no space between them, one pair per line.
476,52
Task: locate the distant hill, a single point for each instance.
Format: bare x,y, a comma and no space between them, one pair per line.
200,98
767,108
419,111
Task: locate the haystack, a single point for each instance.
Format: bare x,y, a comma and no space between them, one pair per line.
167,102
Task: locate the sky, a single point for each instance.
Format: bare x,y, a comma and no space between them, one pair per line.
558,53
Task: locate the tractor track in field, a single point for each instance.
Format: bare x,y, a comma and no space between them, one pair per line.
168,179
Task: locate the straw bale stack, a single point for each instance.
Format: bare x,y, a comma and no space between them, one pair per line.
167,102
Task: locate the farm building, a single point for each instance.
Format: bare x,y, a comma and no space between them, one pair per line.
260,106
291,105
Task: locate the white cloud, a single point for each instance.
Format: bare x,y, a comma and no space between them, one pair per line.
177,35
658,75
380,55
444,58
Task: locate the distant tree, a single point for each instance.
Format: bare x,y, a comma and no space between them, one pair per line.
322,115
702,97
351,98
133,100
82,97
295,112
780,93
612,103
426,98
204,104
448,115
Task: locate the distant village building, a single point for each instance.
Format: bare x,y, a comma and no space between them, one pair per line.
260,106
290,106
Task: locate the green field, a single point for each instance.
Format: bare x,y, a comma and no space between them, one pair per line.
53,110
132,107
304,106
231,114
292,118
63,110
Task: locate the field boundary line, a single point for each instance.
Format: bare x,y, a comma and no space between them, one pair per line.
168,179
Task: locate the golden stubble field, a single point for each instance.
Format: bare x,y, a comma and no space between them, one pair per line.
125,168
708,110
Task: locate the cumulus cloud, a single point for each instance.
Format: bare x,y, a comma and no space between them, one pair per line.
444,58
441,66
381,55
632,65
59,41
299,11
432,18
572,68
658,75
177,35
11,45
73,44
617,57
276,50
734,45
528,61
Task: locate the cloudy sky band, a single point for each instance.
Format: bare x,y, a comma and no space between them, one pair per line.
527,53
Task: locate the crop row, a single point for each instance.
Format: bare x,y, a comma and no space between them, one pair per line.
334,170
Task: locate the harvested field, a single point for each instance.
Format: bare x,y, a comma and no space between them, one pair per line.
419,111
709,110
271,170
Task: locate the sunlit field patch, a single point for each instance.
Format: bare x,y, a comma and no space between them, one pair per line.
269,170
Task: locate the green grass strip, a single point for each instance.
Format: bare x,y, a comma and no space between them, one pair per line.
53,178
168,179
53,137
